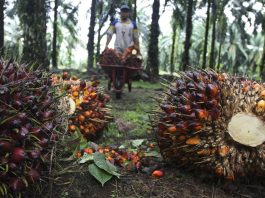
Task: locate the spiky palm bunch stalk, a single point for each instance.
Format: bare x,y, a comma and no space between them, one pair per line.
213,122
29,118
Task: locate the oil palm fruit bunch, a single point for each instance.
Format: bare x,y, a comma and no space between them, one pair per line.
132,57
28,126
88,103
213,122
110,57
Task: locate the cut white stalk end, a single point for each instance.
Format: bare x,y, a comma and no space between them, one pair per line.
72,106
247,129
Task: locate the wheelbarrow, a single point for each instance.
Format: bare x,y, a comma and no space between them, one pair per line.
119,75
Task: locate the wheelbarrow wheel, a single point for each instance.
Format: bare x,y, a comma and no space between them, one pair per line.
130,86
118,95
109,85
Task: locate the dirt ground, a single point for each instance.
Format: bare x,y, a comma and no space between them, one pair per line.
175,183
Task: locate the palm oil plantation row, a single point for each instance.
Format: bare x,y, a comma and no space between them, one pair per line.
225,35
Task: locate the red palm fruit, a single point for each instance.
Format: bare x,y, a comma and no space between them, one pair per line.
158,173
167,108
34,154
43,142
32,176
82,84
17,104
47,114
12,166
182,126
191,86
195,126
193,141
18,155
214,113
201,114
54,137
185,109
6,146
211,90
35,131
211,104
200,97
88,150
197,77
16,184
65,75
172,129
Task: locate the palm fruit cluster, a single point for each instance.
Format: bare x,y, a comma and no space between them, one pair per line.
28,126
213,122
132,57
89,112
110,57
118,157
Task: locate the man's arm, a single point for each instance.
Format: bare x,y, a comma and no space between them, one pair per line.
109,37
110,32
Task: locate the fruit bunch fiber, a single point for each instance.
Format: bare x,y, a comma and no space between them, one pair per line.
29,119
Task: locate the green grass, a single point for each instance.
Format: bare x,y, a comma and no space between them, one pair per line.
146,85
134,108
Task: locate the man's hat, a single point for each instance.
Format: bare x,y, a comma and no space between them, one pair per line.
125,8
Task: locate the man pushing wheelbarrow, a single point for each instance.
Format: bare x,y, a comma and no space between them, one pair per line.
125,60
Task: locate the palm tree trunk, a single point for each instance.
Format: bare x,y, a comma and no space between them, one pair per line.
33,19
206,35
91,35
262,63
219,57
153,60
187,45
2,3
172,58
212,55
135,10
54,41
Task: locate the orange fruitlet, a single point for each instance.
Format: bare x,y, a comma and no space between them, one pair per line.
81,118
193,141
223,150
72,127
158,173
100,150
75,94
78,154
88,150
172,129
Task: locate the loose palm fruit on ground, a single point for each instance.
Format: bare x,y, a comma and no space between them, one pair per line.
213,122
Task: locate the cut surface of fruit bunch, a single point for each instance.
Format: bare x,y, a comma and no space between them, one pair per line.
29,120
132,57
88,111
213,122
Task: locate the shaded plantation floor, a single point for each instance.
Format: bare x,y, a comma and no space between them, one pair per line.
131,122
